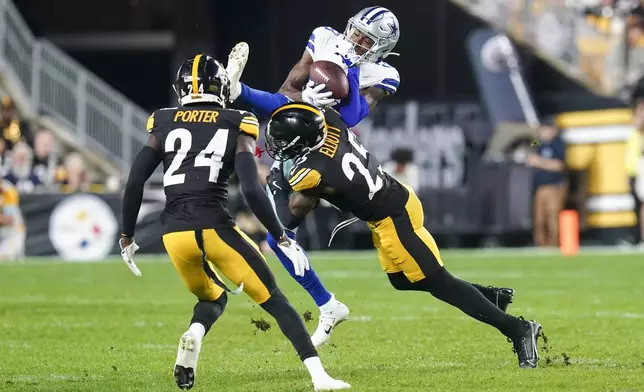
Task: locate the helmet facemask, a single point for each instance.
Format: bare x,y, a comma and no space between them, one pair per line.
283,150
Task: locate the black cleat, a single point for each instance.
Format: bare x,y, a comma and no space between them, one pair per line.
502,297
526,345
185,377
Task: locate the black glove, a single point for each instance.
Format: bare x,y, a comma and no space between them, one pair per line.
277,183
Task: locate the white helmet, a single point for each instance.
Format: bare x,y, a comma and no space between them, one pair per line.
381,26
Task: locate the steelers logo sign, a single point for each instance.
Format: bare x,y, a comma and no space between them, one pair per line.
83,228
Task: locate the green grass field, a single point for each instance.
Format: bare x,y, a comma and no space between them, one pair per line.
96,327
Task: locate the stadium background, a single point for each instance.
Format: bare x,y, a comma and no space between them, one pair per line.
451,108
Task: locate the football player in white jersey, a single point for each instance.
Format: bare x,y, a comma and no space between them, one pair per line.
370,36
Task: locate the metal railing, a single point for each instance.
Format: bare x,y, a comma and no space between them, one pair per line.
100,118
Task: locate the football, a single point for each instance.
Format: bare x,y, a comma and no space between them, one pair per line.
332,75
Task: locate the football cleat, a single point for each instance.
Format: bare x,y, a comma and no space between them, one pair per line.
503,297
525,346
331,315
185,368
236,62
327,383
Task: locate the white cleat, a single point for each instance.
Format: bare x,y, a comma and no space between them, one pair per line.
327,383
331,314
236,62
185,368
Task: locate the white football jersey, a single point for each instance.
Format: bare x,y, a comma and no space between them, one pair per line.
327,44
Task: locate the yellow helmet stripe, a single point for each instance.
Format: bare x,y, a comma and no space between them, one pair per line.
297,106
195,69
300,106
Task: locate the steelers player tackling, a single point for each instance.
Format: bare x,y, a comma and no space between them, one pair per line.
331,164
370,37
200,144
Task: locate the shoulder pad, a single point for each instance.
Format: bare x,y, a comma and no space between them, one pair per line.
304,178
150,125
249,124
319,38
389,78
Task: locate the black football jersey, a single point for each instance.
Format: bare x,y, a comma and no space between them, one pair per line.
345,174
198,144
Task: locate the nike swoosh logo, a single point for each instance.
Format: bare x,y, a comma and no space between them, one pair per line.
276,186
328,331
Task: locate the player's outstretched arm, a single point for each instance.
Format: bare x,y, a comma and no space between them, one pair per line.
145,163
297,78
355,107
258,201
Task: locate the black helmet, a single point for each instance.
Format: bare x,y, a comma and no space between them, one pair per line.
202,79
294,129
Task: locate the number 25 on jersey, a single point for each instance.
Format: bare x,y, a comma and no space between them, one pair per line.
350,159
210,157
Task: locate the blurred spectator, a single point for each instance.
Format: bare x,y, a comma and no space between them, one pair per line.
76,178
45,161
635,37
21,173
402,168
5,158
13,130
634,156
549,184
12,228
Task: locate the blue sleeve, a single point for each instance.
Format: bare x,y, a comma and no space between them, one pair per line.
354,107
261,101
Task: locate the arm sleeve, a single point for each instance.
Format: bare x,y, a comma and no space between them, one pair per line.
249,125
144,165
354,107
261,101
256,197
283,211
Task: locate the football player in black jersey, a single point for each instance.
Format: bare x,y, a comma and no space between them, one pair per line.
331,164
200,144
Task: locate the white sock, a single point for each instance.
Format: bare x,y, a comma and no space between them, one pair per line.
197,330
330,305
314,366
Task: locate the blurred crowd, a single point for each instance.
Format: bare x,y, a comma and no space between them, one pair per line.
31,160
551,179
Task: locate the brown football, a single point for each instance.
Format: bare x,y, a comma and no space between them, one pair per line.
332,75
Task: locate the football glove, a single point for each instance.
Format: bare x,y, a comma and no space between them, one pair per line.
294,252
128,248
276,182
312,94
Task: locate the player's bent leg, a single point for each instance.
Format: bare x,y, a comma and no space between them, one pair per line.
204,316
186,256
408,246
237,257
332,311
